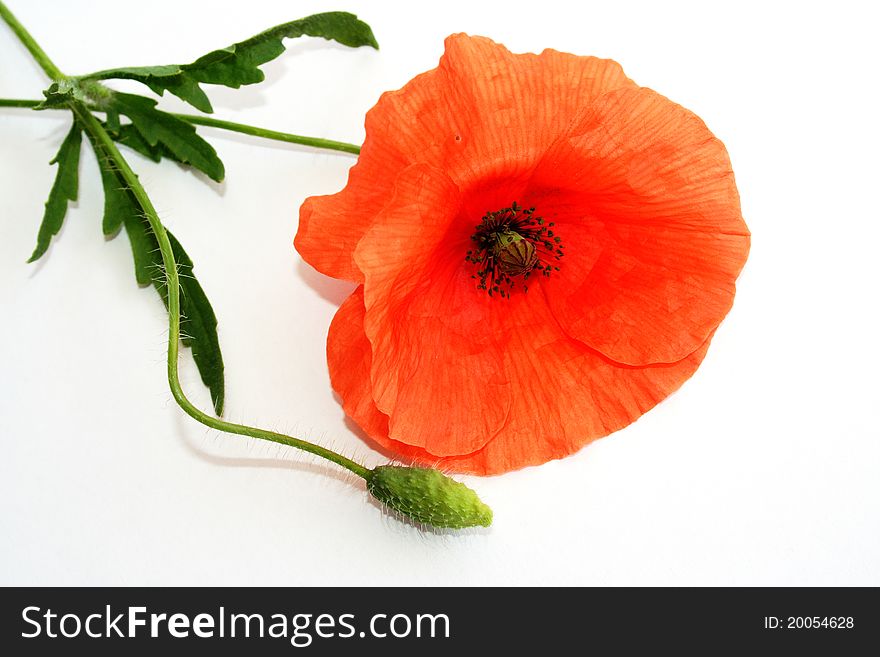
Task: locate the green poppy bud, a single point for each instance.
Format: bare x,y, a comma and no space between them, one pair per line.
428,496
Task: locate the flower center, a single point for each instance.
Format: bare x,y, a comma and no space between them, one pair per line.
511,244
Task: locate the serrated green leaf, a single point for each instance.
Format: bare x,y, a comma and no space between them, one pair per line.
198,322
64,189
128,136
164,134
239,64
116,201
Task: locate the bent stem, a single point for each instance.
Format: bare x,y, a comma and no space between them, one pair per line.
422,494
254,131
105,142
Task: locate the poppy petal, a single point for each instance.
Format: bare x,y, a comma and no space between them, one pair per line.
485,112
349,358
648,199
482,113
544,367
412,296
587,396
331,226
509,108
641,195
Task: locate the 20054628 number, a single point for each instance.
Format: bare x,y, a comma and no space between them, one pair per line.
816,622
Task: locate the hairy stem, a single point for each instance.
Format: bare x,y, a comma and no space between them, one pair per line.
107,147
314,142
100,136
422,494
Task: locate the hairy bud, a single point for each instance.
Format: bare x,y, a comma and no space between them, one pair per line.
428,496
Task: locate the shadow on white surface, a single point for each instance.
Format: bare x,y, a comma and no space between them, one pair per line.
333,290
319,468
275,71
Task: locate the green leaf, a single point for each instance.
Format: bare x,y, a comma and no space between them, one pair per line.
152,132
198,322
64,189
116,200
128,135
162,134
239,64
112,124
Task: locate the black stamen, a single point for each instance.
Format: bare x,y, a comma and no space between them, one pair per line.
512,243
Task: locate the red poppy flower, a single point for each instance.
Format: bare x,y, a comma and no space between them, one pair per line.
544,250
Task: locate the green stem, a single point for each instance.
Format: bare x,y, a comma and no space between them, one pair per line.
96,131
315,142
18,102
105,143
33,47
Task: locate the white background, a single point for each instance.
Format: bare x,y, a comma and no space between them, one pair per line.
762,469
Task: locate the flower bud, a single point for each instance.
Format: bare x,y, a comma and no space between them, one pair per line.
428,496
